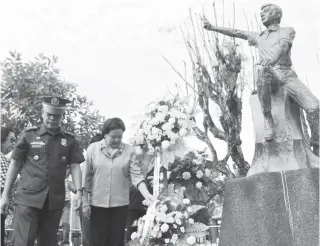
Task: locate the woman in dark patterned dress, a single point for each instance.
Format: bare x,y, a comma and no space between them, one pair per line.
8,141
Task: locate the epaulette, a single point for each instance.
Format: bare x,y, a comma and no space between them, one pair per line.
69,133
32,128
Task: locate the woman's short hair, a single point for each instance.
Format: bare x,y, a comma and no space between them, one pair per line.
5,133
112,124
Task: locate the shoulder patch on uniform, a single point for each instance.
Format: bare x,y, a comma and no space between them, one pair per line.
32,128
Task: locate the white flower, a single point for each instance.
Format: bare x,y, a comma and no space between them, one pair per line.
170,220
165,227
183,132
173,137
174,238
190,210
151,149
173,204
159,234
161,186
156,131
186,201
186,175
191,240
138,150
163,108
175,226
168,174
167,240
182,229
179,215
163,209
171,120
161,176
139,138
167,127
191,221
134,236
165,145
207,172
152,107
197,161
186,215
199,174
199,185
156,228
178,221
161,116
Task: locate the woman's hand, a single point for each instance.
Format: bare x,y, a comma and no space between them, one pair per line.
149,199
78,200
4,204
86,210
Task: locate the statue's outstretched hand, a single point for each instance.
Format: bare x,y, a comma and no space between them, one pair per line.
206,24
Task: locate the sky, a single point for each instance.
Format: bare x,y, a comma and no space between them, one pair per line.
113,48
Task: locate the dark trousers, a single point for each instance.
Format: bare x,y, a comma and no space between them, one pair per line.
31,222
3,220
132,216
85,229
107,226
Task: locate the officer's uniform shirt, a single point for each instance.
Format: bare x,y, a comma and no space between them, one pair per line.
45,159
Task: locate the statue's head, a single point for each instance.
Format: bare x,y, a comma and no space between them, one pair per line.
270,14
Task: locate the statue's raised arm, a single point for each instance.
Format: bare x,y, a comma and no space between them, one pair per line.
234,33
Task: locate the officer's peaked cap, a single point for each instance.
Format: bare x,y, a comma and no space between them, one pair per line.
54,105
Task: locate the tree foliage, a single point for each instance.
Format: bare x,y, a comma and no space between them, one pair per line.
217,80
25,83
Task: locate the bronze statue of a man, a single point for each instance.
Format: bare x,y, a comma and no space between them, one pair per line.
274,47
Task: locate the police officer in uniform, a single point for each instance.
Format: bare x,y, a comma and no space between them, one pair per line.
43,154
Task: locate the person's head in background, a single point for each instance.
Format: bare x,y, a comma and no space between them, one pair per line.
98,137
8,140
112,132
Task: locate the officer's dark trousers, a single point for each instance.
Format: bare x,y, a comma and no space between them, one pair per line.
32,222
107,226
3,223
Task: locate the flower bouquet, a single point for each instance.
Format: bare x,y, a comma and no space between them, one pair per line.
163,127
174,223
194,174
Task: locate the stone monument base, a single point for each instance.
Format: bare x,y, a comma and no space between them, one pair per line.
272,209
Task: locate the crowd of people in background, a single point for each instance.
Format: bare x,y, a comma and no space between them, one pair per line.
109,188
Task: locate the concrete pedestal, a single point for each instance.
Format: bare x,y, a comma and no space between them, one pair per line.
272,209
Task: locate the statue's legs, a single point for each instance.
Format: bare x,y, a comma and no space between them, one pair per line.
305,98
264,79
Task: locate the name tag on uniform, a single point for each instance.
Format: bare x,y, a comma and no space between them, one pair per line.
37,144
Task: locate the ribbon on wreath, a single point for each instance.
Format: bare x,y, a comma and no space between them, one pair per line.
150,215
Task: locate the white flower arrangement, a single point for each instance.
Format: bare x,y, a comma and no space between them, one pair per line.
164,126
174,221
